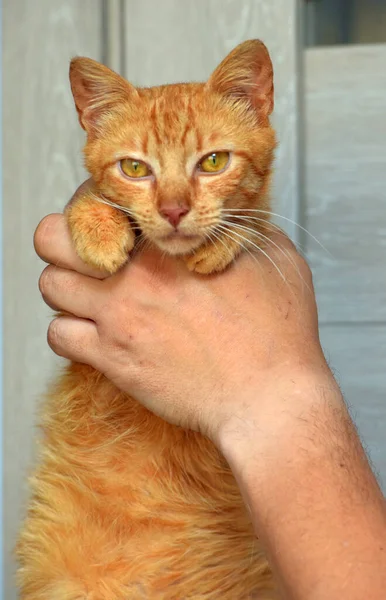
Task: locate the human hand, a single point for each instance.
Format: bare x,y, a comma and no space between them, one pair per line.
200,352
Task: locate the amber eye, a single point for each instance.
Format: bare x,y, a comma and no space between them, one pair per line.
214,162
134,168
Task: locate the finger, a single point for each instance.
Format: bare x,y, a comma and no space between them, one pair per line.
53,244
75,339
282,239
70,291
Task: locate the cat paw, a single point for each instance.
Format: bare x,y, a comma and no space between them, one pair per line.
211,258
101,234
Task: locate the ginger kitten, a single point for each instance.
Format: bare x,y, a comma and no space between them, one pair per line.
124,505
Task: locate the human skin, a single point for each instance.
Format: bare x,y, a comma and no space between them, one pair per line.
237,357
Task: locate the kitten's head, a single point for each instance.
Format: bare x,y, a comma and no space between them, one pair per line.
185,159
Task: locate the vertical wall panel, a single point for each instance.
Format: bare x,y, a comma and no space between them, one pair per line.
173,41
42,168
357,355
346,179
345,197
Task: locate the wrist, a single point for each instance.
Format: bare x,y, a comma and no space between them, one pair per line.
276,411
280,439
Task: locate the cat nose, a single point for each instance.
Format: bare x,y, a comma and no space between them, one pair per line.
174,214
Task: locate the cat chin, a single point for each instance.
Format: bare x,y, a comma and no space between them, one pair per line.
178,245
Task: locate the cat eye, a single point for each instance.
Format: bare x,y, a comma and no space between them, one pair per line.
134,168
214,162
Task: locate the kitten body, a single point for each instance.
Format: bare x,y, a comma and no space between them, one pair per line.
124,505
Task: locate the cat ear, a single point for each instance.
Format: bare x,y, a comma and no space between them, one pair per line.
96,90
247,73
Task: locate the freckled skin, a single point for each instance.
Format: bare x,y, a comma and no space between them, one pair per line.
124,505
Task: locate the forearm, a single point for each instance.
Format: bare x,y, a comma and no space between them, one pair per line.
313,498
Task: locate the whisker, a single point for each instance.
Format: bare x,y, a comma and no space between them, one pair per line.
217,238
264,223
225,233
257,248
268,212
100,198
267,239
268,225
251,218
142,243
261,236
123,209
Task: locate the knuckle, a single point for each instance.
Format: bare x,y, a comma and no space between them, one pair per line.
55,334
304,266
54,280
304,270
42,234
122,335
45,280
109,312
64,339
